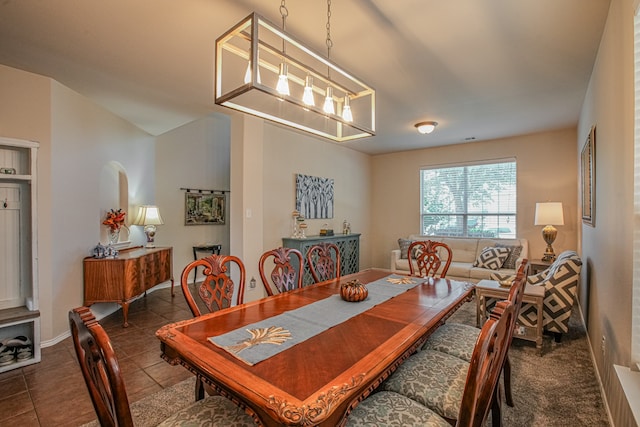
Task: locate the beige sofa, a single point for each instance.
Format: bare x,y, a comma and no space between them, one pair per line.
465,251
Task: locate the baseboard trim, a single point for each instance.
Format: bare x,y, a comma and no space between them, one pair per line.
595,367
100,311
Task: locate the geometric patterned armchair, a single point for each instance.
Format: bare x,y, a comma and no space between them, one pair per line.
560,281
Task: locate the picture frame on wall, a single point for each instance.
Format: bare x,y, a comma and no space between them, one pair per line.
314,196
204,209
588,178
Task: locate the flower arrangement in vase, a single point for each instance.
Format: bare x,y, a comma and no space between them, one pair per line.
115,221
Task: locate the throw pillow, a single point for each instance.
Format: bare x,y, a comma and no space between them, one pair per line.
491,258
514,254
404,247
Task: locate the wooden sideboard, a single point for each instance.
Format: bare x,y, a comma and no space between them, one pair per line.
127,276
348,245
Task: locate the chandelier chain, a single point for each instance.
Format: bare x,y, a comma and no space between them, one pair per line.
284,12
329,41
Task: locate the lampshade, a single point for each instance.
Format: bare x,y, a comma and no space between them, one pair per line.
426,127
549,213
282,76
148,215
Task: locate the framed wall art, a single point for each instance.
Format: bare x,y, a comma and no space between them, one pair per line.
204,208
314,196
588,178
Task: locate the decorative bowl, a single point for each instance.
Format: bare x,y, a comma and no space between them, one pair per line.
353,291
506,283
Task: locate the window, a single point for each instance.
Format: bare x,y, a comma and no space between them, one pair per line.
474,200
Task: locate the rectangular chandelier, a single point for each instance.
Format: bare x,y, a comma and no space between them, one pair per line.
255,61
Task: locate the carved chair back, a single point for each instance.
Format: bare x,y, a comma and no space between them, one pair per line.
426,257
486,365
284,276
324,261
100,369
216,291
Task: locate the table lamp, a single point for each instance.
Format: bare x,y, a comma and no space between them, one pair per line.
549,214
149,216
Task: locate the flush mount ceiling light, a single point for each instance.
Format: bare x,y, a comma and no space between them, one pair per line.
426,127
264,71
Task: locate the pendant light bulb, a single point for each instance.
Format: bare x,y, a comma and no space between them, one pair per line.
247,74
328,102
346,110
307,96
283,81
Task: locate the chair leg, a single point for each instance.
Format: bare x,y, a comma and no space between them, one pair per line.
507,381
199,389
496,409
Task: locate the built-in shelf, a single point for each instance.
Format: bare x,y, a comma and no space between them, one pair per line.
17,314
19,310
8,177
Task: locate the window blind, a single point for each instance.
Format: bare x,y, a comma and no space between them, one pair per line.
474,200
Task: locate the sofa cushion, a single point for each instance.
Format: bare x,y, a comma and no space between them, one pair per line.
477,273
491,258
459,269
404,247
464,250
514,254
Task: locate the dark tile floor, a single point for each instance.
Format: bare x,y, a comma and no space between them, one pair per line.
53,393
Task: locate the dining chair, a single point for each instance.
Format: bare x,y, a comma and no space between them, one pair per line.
458,339
323,260
103,377
426,258
215,291
405,400
284,276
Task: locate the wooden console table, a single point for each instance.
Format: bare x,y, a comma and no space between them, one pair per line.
127,276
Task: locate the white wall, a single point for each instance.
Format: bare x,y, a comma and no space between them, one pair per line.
287,153
194,156
607,248
84,138
77,138
546,171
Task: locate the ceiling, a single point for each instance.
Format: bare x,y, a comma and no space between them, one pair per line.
482,69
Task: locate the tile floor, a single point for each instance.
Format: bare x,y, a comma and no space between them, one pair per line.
53,393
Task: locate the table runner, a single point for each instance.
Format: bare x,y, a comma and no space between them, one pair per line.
258,341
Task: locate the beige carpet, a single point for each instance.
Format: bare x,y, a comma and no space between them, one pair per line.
557,389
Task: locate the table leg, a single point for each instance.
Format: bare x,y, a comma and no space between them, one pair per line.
125,313
479,306
539,326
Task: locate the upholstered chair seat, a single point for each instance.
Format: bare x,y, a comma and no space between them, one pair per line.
444,386
455,339
387,408
212,411
433,379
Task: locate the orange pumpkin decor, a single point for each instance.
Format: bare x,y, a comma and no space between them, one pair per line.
353,291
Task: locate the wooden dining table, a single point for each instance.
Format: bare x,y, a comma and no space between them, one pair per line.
321,379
